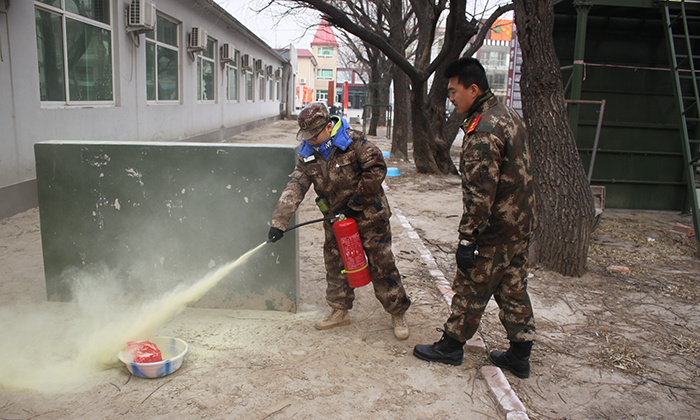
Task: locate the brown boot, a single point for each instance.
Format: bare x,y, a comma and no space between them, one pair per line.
400,327
337,318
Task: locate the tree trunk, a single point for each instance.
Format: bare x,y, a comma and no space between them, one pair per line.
450,129
374,120
565,208
400,135
422,153
375,77
460,31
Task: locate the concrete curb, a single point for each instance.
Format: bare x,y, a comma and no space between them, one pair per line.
507,402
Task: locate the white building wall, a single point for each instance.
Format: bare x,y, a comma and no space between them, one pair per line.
24,120
9,169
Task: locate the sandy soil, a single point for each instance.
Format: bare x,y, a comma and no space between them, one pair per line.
610,346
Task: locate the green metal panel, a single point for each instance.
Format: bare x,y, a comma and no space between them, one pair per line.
626,196
624,3
144,217
639,156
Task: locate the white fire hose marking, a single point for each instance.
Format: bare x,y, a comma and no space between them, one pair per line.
438,276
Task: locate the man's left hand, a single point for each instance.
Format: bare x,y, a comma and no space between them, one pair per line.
465,256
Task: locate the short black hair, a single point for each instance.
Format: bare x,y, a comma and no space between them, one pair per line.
469,71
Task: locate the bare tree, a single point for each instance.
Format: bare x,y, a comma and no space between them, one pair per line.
396,24
450,127
376,65
430,152
564,201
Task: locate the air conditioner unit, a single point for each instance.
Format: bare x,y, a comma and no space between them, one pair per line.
245,61
278,73
302,81
197,40
259,66
269,71
140,16
228,53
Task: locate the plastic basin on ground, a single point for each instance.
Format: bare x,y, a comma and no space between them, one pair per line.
173,351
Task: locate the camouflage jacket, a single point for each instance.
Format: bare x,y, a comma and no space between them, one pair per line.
498,192
350,178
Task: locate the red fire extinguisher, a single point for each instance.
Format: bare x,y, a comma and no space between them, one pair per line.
351,251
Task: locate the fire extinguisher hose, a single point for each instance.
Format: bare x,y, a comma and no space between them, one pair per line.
308,223
354,271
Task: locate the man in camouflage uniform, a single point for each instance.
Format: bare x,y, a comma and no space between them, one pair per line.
496,224
347,172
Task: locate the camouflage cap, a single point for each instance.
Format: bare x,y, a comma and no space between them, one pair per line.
311,120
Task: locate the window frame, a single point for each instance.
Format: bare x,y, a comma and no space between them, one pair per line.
233,67
271,90
322,52
249,82
262,87
199,58
346,76
175,48
319,73
63,14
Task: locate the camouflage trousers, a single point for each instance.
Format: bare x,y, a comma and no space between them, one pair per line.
376,240
501,272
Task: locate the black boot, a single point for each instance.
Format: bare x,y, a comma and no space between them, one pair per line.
448,350
516,359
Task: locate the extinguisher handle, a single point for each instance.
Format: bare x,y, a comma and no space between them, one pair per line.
348,213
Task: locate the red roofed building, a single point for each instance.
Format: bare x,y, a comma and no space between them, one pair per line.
325,49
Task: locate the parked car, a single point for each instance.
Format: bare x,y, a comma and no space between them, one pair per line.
337,109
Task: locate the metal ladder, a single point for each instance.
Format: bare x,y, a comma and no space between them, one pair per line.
681,38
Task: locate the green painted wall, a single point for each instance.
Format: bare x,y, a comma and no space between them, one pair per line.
144,217
639,158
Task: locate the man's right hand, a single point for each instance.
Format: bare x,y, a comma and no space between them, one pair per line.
274,235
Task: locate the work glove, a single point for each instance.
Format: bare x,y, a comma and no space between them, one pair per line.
274,235
350,213
465,256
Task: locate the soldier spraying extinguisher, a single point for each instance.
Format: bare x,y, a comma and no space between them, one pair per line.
346,172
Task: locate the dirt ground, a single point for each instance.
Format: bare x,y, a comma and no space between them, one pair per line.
609,346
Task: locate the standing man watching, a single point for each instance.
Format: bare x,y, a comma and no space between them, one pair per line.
347,172
494,232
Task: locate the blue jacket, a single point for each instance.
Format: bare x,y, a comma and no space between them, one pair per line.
339,138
